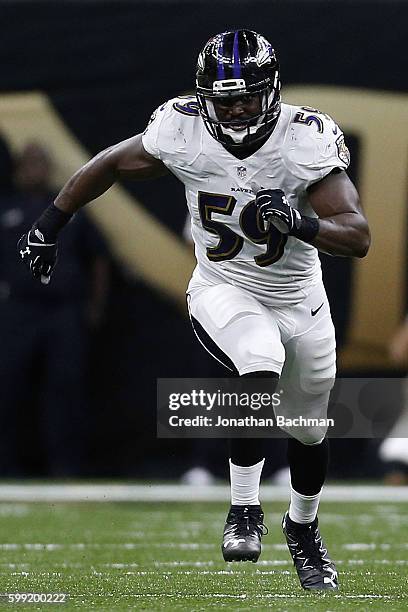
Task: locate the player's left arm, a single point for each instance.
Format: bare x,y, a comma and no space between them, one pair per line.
319,161
342,227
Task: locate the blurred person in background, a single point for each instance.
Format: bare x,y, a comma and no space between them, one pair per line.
45,331
393,450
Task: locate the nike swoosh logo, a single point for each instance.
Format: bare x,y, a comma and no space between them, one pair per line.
314,312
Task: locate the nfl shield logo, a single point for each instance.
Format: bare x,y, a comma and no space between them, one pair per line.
241,171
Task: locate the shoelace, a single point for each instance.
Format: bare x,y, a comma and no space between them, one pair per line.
246,520
310,543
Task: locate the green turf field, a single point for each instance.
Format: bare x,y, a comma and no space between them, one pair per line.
167,556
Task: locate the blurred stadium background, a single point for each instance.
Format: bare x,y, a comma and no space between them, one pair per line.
79,76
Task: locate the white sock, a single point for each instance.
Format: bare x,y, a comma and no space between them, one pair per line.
303,508
245,484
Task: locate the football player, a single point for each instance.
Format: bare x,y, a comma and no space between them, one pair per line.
266,187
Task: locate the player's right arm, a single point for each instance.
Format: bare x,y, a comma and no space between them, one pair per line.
127,159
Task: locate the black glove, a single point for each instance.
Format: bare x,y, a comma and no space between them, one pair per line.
274,208
38,248
39,254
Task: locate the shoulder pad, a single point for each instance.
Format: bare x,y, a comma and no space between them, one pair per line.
315,144
171,132
187,105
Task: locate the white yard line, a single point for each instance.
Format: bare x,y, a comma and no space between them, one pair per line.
183,493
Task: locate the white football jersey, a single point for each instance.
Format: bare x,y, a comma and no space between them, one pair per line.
231,244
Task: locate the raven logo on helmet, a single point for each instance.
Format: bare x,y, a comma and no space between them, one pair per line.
232,65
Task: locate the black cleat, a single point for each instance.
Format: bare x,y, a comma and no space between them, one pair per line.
309,554
242,534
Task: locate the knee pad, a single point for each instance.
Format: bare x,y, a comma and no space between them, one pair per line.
319,373
298,407
309,436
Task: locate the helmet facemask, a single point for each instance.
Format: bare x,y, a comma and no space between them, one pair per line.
256,126
250,62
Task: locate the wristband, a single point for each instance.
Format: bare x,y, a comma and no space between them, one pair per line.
52,221
307,229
